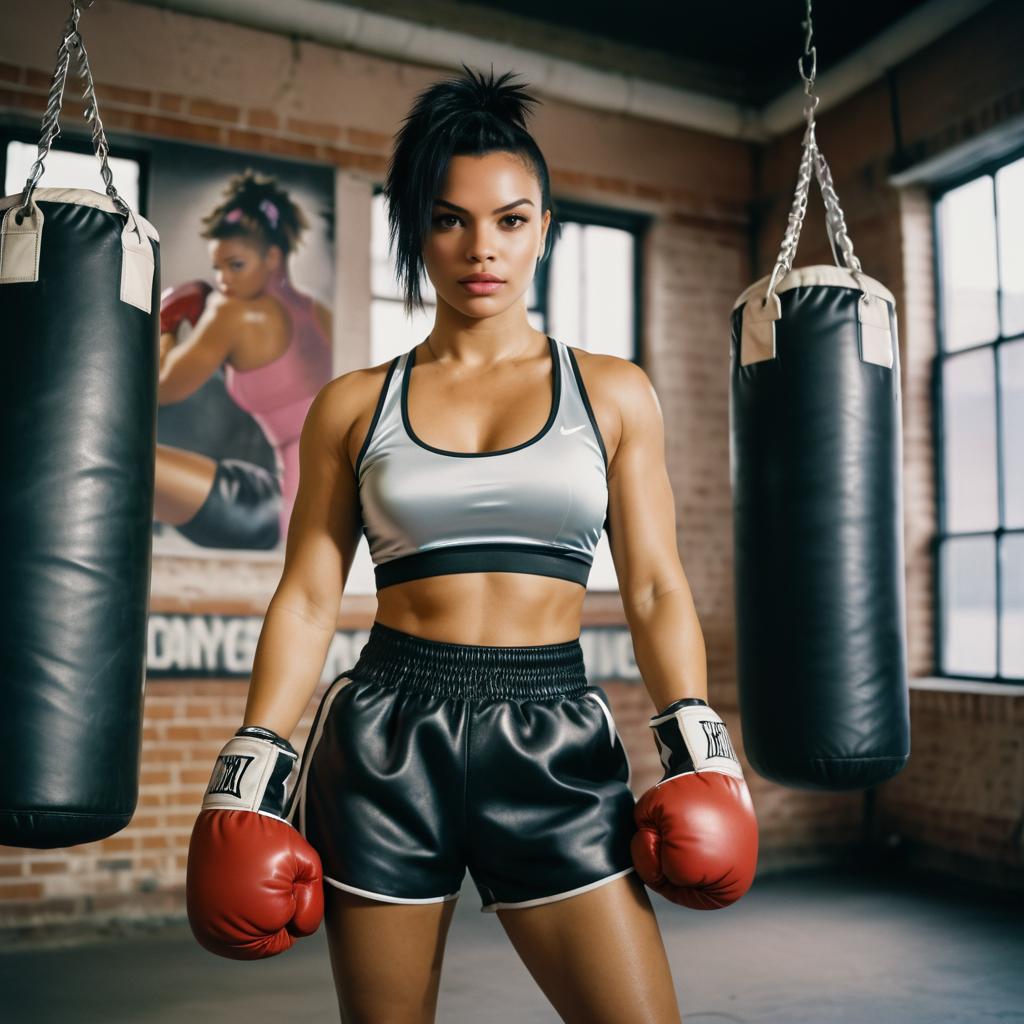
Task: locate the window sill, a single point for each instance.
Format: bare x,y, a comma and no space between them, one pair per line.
967,686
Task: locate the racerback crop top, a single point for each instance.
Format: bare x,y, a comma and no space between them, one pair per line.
538,507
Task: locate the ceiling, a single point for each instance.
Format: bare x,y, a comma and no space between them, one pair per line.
745,51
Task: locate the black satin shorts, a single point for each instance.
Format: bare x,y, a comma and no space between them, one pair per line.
427,758
242,509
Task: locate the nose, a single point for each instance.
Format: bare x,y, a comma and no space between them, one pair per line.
481,247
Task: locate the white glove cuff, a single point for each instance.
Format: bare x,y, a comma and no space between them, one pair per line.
694,739
253,774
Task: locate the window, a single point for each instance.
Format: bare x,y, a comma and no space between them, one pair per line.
586,294
63,169
979,403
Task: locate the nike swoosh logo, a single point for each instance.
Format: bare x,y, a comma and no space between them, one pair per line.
573,430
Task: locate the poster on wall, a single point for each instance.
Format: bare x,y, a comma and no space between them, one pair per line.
246,323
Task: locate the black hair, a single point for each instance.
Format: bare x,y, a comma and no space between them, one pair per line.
465,115
257,209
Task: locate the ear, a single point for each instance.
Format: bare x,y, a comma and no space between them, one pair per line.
274,257
544,225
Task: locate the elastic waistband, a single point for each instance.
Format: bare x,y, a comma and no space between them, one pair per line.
392,657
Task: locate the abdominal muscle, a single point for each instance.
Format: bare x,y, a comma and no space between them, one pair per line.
496,609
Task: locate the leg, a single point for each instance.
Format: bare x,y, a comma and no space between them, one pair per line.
386,957
598,956
183,480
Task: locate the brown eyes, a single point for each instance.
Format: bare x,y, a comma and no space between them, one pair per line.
451,216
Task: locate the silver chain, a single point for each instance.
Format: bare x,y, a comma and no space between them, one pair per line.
812,162
71,38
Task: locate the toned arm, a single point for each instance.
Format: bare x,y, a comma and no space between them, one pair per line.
667,638
322,539
187,367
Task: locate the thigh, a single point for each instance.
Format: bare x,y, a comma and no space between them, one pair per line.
385,957
599,956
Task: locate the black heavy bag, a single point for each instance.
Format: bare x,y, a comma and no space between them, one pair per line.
816,454
79,295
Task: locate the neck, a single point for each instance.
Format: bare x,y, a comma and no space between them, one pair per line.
477,343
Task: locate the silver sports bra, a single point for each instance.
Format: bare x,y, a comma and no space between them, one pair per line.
536,508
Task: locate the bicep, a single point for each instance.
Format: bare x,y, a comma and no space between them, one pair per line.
324,530
642,515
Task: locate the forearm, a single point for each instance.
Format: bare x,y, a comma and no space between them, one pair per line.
669,647
289,660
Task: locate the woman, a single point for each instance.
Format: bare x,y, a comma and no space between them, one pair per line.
466,734
274,344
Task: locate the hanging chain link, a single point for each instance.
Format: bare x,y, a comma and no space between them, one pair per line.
71,38
812,162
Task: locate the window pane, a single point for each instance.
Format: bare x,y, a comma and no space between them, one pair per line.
1010,201
382,275
71,170
969,442
968,606
565,289
968,239
608,264
1012,626
592,289
392,333
383,282
1011,366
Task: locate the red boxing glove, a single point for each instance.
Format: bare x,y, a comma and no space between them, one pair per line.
253,883
182,302
697,838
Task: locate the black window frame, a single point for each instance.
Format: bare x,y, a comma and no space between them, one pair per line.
943,534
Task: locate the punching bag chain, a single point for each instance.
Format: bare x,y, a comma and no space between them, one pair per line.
812,162
51,124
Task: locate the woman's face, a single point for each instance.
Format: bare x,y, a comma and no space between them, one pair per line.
241,270
486,220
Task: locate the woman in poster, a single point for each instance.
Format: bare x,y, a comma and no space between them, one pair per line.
274,344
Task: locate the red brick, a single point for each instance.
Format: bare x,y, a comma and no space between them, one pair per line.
290,148
20,891
363,139
119,94
262,118
22,100
315,129
213,111
170,104
39,79
48,867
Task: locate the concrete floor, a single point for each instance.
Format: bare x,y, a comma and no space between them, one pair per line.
815,947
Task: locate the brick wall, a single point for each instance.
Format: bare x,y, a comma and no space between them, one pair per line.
957,806
715,202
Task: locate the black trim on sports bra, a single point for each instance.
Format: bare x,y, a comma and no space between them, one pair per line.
587,406
376,414
556,395
593,423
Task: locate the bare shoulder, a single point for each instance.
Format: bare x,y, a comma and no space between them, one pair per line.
344,406
621,394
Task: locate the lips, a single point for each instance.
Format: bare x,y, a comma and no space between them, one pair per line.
481,284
